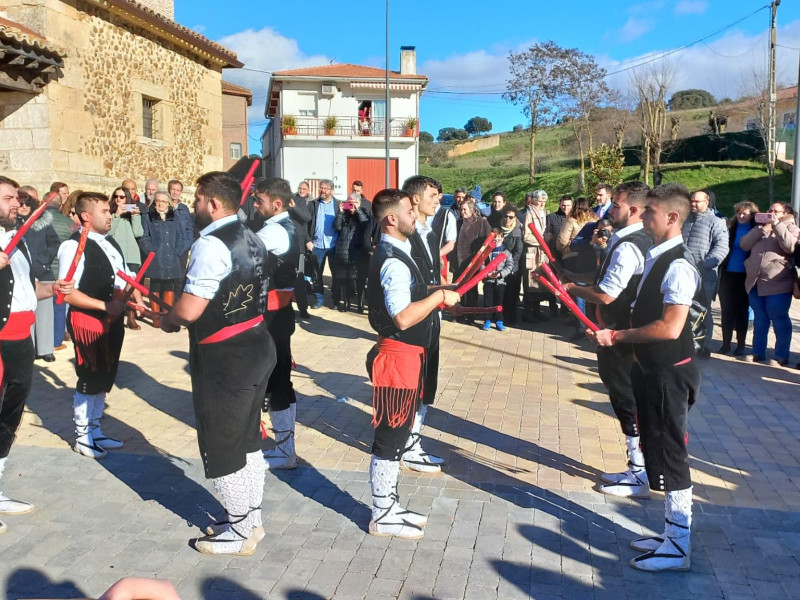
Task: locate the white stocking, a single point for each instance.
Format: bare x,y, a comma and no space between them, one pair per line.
81,404
383,475
635,455
234,490
257,470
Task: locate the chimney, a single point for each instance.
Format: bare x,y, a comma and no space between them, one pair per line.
408,60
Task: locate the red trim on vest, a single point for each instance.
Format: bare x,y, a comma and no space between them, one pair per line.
278,299
18,326
230,331
396,381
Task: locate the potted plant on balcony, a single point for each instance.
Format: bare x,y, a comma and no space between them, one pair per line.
411,127
288,125
330,125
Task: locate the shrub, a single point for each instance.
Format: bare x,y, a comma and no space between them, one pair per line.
608,164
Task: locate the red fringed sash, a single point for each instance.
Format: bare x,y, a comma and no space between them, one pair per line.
18,327
396,381
90,336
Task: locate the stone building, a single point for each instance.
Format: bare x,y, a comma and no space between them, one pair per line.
95,91
235,100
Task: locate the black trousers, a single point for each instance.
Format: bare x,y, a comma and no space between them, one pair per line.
663,400
430,377
17,360
734,305
614,366
280,390
105,350
229,380
511,297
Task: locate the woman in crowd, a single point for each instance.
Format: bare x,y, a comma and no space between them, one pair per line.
732,292
42,241
473,228
163,234
68,207
495,217
353,224
770,277
579,216
535,214
126,229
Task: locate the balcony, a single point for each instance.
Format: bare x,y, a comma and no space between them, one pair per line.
346,127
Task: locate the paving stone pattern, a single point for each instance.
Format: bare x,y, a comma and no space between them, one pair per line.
525,425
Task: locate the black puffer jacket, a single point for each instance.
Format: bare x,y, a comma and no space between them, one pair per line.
164,237
354,236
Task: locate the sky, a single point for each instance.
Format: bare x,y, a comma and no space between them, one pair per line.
463,47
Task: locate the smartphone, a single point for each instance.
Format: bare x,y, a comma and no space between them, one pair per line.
129,208
762,218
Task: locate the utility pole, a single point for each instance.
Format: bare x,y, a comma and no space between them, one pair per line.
771,136
795,176
387,126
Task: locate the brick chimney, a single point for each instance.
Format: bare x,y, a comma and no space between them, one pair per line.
408,60
165,8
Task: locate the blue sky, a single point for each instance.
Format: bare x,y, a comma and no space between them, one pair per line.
463,46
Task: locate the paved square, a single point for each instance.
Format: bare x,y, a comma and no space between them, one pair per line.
524,423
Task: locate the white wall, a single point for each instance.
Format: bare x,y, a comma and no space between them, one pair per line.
344,103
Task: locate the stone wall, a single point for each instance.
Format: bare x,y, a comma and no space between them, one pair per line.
484,143
86,127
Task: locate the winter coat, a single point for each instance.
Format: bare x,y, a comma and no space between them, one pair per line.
354,234
42,241
770,265
64,228
126,230
538,218
513,245
706,236
164,237
505,268
471,234
188,234
554,223
568,233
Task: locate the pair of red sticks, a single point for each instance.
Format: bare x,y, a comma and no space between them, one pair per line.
553,283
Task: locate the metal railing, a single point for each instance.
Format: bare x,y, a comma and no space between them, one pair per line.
348,126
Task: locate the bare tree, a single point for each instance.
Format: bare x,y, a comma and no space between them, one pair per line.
538,80
649,85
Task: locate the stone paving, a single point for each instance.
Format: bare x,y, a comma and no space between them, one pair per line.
524,422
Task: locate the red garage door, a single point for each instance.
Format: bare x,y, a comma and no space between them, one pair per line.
372,173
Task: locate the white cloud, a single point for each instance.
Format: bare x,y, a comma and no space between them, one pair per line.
633,29
263,50
646,8
475,71
691,7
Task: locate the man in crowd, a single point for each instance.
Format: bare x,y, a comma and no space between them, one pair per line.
614,290
402,312
424,194
95,320
706,236
20,292
445,226
64,227
665,376
602,196
150,189
279,236
182,213
303,190
231,356
323,212
62,189
555,221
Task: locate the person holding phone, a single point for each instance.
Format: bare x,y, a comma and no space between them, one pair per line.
770,279
126,230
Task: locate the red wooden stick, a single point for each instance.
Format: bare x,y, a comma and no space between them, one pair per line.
474,310
136,285
24,228
140,275
553,278
465,287
542,243
75,260
569,303
248,180
488,244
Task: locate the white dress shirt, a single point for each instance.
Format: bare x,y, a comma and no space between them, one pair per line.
626,261
396,278
210,261
66,254
681,280
23,297
274,235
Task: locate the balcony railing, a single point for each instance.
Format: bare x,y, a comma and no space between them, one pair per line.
348,127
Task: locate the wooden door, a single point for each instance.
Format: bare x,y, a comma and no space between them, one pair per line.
372,173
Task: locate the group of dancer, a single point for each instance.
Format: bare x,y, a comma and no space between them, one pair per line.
237,306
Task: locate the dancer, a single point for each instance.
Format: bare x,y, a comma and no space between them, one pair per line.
402,312
16,346
614,290
665,376
424,193
231,356
95,321
272,199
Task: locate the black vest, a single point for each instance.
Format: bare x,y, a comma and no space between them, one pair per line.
285,272
97,279
430,269
242,295
617,315
7,285
379,318
650,307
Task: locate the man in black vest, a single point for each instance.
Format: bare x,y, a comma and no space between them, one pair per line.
95,320
424,193
19,295
231,356
665,376
279,236
402,312
614,290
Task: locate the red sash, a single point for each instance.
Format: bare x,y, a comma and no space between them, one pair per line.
396,381
18,327
230,331
277,299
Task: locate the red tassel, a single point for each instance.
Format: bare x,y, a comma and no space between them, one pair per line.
264,434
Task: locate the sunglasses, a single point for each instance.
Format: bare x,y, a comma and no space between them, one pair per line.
119,197
509,217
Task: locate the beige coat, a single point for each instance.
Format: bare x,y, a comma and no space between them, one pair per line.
568,233
770,265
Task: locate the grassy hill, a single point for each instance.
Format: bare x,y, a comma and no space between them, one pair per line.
505,169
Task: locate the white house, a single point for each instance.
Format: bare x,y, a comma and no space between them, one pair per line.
329,122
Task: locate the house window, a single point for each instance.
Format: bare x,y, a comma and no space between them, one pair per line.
306,105
752,125
236,150
788,120
149,117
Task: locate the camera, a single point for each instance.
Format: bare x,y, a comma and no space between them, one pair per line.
348,206
603,234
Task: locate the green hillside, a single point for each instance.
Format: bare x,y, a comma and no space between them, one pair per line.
505,168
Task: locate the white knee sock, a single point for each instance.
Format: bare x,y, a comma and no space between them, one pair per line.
383,475
257,470
2,469
235,491
81,404
283,428
635,455
97,404
678,505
